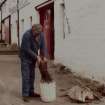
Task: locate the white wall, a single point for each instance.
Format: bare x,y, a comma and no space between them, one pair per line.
25,14
14,38
5,12
84,48
28,11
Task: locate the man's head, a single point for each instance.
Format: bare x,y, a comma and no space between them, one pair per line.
36,29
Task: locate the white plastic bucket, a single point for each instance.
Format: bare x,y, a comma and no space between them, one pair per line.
48,91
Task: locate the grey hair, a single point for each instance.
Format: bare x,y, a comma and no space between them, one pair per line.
37,26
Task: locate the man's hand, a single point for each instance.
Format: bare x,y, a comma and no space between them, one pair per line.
45,59
39,60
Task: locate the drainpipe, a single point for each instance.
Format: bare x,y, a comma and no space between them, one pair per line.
1,23
2,3
67,18
18,23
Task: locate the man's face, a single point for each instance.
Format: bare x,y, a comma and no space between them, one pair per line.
36,30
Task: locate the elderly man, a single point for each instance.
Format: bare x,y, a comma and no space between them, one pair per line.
32,41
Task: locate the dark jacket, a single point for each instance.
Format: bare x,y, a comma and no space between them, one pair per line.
29,47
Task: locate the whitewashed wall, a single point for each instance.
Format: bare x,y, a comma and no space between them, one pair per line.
6,13
84,48
25,14
28,11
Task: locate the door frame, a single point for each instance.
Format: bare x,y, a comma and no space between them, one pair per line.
44,4
8,17
49,4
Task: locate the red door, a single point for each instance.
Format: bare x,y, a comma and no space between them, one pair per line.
6,35
47,21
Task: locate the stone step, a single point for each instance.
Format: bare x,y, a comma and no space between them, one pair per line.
3,45
8,50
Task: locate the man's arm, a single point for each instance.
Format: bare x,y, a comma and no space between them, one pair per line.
26,46
43,49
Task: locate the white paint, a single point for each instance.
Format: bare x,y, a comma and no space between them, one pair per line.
25,14
84,48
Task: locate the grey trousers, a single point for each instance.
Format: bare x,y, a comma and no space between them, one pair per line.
28,77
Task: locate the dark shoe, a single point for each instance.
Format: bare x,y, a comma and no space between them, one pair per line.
34,95
25,98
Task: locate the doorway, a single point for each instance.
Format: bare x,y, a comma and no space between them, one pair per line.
6,30
46,14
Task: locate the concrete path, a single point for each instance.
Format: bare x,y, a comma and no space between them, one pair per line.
10,85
